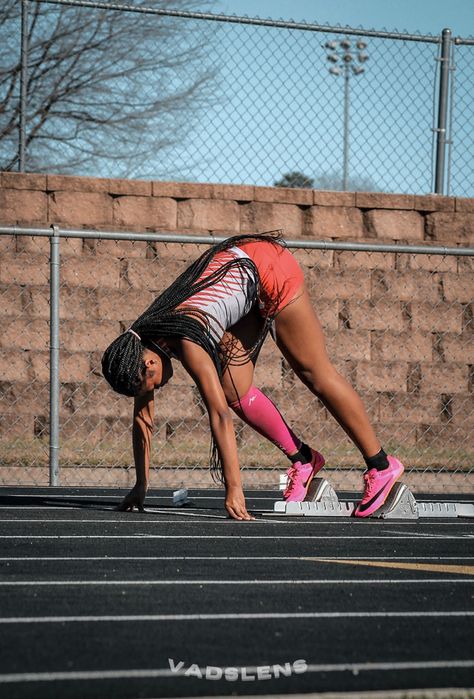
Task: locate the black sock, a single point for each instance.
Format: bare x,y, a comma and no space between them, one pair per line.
379,461
303,455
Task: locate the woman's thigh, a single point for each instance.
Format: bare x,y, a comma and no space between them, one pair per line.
300,337
237,341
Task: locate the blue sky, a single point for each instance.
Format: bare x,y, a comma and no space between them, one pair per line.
280,110
425,16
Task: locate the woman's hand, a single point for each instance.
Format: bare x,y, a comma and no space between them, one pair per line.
235,504
135,498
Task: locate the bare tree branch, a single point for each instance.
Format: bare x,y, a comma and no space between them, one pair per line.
105,88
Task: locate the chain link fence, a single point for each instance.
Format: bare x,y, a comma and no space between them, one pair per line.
248,101
398,321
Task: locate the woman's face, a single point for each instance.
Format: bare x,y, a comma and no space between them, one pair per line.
158,371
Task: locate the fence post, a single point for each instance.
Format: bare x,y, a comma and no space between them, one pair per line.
23,86
54,360
441,138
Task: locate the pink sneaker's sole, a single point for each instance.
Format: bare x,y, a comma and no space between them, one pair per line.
384,492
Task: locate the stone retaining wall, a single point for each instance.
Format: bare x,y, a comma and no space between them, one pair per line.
399,326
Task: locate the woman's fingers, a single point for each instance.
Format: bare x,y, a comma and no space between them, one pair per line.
239,513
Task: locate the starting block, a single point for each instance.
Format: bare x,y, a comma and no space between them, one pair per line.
323,501
180,497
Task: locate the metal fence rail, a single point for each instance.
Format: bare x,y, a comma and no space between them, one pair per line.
398,321
340,108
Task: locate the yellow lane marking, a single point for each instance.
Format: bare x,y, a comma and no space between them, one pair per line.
400,565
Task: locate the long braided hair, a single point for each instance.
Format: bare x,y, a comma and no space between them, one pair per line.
122,362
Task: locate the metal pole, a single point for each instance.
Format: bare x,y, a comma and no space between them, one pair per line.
54,361
23,86
441,140
345,168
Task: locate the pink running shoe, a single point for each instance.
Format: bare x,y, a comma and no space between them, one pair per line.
378,485
300,477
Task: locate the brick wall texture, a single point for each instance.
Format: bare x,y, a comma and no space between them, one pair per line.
399,326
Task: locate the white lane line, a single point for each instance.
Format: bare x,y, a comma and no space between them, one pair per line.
250,495
155,673
230,616
178,512
314,537
304,559
137,583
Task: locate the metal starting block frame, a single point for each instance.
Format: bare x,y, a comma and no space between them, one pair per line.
322,501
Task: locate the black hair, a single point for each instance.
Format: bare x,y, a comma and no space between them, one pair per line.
122,362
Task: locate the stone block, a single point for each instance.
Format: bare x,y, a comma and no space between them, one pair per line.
405,286
25,334
364,260
123,305
387,346
21,269
23,206
382,376
22,180
145,213
444,378
458,287
91,272
120,249
36,246
334,222
462,407
259,217
15,365
327,198
313,260
379,200
85,209
150,275
444,317
451,228
465,205
195,190
338,284
204,215
73,183
73,366
370,315
402,407
428,262
395,225
434,202
284,195
348,344
13,299
84,336
458,348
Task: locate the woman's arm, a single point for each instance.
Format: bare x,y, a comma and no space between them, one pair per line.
201,368
142,428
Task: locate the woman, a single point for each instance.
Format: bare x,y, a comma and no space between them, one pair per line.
213,319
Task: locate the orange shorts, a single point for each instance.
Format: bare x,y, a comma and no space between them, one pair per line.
280,274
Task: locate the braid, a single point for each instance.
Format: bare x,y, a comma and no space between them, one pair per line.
122,362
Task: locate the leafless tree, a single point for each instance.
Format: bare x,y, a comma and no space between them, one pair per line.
107,91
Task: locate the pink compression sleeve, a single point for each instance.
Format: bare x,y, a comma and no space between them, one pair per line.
258,411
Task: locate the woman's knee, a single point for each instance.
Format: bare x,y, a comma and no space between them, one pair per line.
319,379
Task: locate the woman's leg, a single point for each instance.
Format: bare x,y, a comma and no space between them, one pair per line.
249,403
300,338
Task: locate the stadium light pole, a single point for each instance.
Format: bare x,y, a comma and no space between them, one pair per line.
347,58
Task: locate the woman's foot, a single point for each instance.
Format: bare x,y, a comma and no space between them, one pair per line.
378,485
300,476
